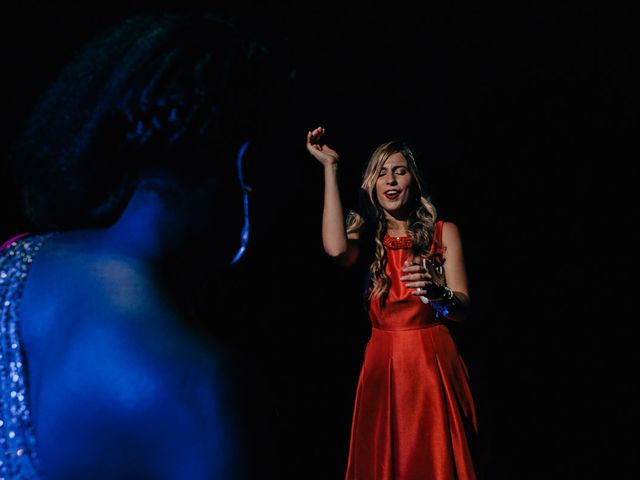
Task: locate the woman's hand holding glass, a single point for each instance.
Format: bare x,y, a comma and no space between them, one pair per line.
424,278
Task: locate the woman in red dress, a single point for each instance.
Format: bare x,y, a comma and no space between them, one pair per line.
414,416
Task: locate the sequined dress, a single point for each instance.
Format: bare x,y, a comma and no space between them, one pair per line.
414,415
19,460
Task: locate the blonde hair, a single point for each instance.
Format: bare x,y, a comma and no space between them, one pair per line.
421,221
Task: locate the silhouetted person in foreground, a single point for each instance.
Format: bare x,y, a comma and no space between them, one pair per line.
132,170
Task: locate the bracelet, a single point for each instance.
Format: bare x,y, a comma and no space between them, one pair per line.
442,306
448,294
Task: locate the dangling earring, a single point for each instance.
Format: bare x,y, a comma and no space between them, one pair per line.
244,235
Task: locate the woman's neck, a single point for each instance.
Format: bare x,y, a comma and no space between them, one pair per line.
147,227
397,228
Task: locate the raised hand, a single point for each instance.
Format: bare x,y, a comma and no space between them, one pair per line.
325,155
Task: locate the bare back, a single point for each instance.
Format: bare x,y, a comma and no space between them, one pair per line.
113,366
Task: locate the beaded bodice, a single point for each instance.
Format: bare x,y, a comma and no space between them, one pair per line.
18,459
397,242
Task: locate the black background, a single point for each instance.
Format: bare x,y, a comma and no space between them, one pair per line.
521,117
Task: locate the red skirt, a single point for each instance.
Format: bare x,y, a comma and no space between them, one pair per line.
414,416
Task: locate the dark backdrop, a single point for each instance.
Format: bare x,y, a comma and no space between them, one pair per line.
521,117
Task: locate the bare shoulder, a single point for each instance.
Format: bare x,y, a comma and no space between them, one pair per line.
451,236
70,289
450,231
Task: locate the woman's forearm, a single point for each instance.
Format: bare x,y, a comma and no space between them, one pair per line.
334,235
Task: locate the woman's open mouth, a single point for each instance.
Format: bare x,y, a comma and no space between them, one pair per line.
392,194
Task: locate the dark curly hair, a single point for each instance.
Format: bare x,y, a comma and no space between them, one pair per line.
174,91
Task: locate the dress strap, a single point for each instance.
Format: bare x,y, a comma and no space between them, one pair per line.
13,239
18,446
436,244
438,233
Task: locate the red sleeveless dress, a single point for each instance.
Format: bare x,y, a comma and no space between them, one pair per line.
414,415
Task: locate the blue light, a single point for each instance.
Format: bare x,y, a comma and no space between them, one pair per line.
244,236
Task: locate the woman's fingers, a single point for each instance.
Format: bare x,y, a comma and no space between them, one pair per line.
312,137
419,288
415,277
414,273
417,282
316,133
312,141
412,270
421,285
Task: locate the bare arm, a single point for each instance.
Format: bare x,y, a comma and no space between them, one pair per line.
342,248
455,272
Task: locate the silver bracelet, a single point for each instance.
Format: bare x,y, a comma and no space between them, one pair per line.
448,294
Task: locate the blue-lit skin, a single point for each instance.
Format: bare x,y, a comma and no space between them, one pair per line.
112,364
